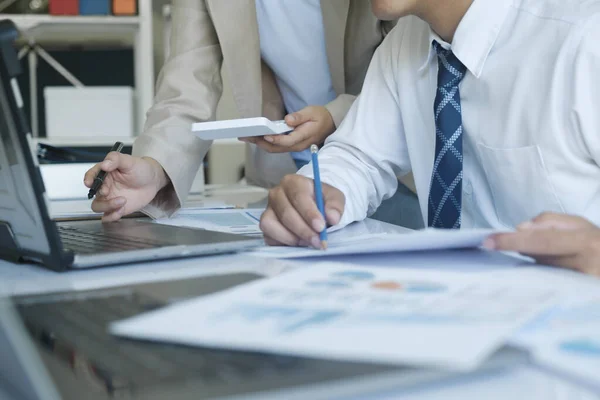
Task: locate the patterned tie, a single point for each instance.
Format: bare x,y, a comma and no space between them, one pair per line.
445,193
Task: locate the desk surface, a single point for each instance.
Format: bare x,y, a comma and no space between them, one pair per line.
524,382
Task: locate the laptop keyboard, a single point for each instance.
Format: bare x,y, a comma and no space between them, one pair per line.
82,242
78,331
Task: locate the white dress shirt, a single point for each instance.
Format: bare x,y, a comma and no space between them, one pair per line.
530,110
292,43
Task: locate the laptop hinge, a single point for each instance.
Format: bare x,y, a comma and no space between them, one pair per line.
9,248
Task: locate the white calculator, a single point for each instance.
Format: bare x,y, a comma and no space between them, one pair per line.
237,128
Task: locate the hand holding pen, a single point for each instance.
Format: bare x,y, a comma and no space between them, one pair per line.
99,179
122,184
295,216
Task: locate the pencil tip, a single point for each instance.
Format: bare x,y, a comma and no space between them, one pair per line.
324,244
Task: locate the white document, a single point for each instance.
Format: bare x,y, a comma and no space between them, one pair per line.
238,221
82,209
426,239
65,209
339,311
576,355
206,204
567,339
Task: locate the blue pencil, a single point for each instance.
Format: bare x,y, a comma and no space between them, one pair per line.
319,193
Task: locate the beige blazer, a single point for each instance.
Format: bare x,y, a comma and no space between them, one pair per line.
207,34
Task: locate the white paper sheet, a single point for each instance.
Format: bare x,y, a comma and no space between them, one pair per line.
74,209
567,338
427,239
576,355
238,221
339,311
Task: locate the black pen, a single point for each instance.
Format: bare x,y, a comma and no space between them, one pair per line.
99,179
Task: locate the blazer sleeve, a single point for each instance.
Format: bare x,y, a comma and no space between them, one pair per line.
188,89
339,107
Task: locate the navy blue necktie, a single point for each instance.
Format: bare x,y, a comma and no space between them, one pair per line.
445,193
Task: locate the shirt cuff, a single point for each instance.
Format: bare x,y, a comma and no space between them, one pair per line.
170,198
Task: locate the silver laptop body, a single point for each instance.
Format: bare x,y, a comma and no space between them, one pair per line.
27,233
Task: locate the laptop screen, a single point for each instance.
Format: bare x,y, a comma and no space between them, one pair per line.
19,207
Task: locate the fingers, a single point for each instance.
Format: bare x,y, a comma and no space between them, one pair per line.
114,215
293,218
111,162
335,202
299,139
283,143
556,221
88,179
104,205
262,143
275,233
535,242
296,210
106,187
300,117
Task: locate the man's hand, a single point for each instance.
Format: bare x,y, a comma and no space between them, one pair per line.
555,239
130,184
312,125
292,217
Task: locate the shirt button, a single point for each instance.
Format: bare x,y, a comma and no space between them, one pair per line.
468,188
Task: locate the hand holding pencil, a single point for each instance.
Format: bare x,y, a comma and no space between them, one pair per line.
299,210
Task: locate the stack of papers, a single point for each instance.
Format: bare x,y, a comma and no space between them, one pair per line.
337,311
340,244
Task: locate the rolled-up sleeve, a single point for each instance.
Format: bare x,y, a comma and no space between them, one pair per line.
368,151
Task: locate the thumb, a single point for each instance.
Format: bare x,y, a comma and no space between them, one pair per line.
335,202
299,117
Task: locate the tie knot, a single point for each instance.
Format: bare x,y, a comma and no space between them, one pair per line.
451,70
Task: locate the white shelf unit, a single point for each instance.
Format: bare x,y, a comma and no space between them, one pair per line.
135,31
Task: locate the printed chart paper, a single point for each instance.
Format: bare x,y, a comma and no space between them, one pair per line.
567,339
337,311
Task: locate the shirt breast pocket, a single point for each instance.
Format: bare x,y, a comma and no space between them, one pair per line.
519,181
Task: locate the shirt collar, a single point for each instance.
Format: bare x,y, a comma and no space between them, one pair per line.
475,35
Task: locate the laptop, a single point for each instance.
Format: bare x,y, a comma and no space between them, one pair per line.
57,346
27,233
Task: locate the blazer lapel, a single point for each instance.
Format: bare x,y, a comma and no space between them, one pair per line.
335,15
237,28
